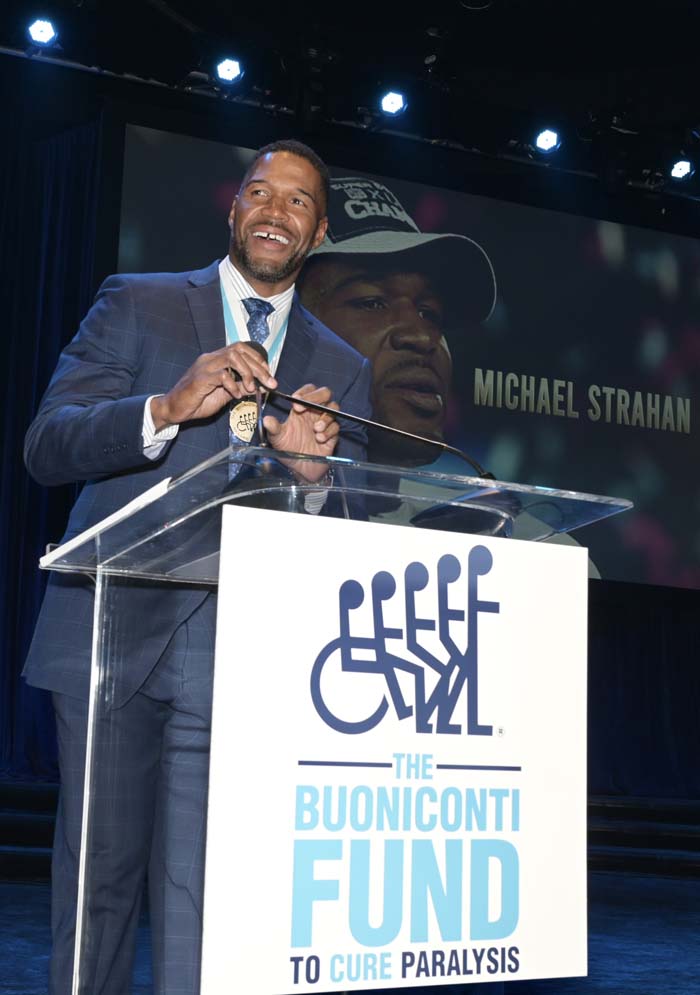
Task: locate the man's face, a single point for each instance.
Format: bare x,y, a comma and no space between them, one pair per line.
276,219
395,318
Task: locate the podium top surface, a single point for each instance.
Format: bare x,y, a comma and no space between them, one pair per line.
172,531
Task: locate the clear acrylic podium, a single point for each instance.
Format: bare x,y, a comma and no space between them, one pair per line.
168,541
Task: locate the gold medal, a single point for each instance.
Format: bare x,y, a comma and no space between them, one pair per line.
244,419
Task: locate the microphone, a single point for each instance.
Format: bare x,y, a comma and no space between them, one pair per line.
368,422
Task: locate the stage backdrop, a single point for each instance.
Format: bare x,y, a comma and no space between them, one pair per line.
583,375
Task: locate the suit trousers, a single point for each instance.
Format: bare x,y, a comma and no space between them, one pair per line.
148,823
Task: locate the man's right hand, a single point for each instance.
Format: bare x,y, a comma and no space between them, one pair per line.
209,385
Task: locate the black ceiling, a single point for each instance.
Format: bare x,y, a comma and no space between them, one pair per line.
620,78
569,56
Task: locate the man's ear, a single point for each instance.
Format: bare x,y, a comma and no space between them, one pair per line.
232,213
321,230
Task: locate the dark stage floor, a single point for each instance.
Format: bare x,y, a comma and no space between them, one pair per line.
644,940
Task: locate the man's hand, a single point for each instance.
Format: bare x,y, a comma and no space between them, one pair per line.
209,385
313,433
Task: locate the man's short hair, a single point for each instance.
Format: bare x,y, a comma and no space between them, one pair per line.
294,147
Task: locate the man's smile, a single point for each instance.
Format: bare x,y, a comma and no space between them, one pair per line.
270,235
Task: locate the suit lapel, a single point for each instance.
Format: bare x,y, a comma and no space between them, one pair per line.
294,368
204,299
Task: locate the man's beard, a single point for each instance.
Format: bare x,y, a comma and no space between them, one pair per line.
265,272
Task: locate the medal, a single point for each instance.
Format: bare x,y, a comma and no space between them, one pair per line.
243,420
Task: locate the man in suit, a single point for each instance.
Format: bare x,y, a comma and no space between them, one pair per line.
143,393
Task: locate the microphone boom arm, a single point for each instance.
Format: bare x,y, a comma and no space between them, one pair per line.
443,446
481,472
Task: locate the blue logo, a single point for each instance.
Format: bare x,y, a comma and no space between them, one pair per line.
434,709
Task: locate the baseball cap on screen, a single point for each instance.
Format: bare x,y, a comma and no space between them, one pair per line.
366,217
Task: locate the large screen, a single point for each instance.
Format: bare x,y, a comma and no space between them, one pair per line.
557,350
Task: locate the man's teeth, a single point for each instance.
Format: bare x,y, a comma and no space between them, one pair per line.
274,236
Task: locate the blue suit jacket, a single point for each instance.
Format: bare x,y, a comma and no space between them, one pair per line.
142,333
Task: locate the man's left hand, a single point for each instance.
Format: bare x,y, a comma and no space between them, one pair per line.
313,433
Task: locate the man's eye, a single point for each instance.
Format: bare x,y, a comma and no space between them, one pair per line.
430,314
257,192
368,303
298,202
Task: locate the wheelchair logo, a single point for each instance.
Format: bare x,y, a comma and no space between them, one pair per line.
434,702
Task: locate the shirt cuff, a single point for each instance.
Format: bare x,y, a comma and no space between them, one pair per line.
315,501
155,442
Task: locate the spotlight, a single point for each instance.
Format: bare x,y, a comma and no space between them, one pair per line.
547,140
682,169
393,103
42,32
229,71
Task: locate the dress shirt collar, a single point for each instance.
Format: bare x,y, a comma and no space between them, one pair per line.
242,289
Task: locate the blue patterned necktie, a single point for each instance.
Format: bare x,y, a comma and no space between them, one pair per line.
257,322
258,329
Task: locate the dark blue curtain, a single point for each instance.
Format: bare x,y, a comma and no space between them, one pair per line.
47,239
644,691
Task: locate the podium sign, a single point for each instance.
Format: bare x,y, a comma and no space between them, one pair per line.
397,780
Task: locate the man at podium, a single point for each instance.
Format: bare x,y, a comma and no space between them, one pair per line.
150,386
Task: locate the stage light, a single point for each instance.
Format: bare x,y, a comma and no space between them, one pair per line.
547,140
42,33
682,169
229,70
393,103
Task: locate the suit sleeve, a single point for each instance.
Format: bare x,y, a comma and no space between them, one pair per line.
88,424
